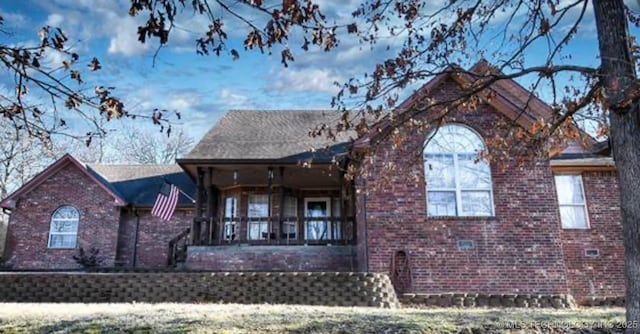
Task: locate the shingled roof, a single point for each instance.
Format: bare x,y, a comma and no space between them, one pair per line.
270,135
139,184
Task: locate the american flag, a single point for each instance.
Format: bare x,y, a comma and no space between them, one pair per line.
166,201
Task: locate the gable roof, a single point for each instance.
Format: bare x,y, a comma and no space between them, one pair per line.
140,184
270,135
136,185
510,98
55,167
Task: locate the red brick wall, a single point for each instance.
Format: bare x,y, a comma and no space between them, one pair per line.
602,275
29,224
154,236
519,250
271,258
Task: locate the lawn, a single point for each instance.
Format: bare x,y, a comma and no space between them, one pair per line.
217,318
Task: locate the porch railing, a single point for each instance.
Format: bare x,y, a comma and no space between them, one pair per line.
178,248
274,230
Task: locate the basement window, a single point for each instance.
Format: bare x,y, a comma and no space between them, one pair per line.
465,244
592,252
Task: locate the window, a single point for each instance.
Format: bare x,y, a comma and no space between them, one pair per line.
230,217
458,183
258,214
573,208
290,219
63,232
316,224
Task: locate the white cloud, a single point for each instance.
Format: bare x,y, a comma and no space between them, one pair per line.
305,80
14,20
234,100
54,20
125,40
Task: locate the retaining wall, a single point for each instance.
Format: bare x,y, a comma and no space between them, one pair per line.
317,288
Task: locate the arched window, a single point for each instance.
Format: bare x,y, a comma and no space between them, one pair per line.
63,232
458,184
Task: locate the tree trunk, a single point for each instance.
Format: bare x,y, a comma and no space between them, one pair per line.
618,69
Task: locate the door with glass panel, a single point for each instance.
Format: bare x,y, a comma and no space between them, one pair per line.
317,212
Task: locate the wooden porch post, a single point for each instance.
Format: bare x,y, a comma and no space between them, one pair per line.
208,186
343,208
270,185
195,231
281,214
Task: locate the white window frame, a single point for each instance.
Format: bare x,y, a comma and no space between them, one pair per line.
288,222
458,190
327,200
53,233
261,223
587,224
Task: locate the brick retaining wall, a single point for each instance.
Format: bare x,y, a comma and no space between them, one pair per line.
318,288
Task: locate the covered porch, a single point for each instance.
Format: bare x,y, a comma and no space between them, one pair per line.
271,204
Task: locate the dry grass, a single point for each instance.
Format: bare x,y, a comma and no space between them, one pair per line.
216,318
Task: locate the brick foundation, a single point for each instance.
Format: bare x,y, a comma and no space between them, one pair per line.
271,258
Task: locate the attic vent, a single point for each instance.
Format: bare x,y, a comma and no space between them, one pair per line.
591,252
465,244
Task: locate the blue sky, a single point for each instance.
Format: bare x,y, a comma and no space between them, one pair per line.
202,88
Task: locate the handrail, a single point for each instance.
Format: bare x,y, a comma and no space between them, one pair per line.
174,250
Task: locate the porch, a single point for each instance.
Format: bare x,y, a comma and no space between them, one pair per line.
285,217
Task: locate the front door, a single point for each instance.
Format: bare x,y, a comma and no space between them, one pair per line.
317,225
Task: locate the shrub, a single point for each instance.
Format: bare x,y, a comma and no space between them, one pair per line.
90,259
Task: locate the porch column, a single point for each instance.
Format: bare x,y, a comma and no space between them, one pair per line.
281,213
208,186
195,230
343,208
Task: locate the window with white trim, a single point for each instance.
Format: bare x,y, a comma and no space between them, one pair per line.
258,216
571,201
290,219
230,217
63,231
458,181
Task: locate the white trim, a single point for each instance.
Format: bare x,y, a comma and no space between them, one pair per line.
458,190
327,200
53,233
604,161
583,205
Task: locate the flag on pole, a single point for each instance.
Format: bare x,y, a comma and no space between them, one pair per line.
166,201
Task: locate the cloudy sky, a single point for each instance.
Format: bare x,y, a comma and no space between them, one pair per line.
202,88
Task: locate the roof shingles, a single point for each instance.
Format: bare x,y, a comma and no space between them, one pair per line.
268,135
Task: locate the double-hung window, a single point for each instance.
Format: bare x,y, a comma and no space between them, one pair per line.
258,216
290,219
571,201
63,232
458,181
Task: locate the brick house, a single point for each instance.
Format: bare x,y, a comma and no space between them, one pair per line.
442,221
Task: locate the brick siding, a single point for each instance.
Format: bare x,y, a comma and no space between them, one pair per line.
271,258
28,231
154,235
601,275
523,237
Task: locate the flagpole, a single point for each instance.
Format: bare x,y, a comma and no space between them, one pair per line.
180,190
185,195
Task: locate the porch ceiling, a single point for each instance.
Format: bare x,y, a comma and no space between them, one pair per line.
255,174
